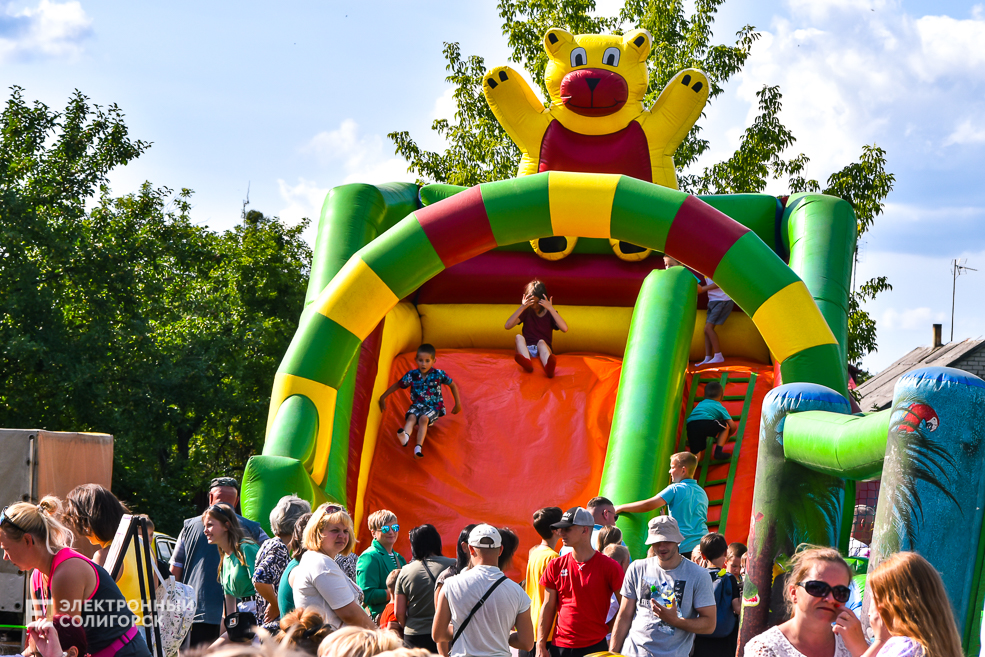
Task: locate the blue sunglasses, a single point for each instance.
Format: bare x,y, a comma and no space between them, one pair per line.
386,529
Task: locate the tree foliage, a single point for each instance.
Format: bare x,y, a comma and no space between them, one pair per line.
479,150
120,315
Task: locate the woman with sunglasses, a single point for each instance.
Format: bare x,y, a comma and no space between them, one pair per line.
318,581
239,555
378,560
62,580
816,590
910,613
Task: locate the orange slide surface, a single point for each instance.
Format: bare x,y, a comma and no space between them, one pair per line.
521,442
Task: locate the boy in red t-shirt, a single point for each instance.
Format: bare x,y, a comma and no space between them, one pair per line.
578,589
540,320
388,617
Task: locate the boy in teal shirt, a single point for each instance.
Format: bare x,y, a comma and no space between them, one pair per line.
709,419
687,501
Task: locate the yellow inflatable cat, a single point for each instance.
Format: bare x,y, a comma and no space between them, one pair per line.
596,121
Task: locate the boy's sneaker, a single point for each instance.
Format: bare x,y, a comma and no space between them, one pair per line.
524,363
720,454
418,454
549,366
403,437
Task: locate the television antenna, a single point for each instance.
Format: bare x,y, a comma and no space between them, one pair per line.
958,267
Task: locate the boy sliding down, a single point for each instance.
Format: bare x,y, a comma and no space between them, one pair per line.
426,402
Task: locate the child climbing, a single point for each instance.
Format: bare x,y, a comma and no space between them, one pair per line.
719,307
540,320
687,501
426,402
709,419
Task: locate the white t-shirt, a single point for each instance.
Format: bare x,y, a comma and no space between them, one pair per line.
321,583
772,643
488,633
715,293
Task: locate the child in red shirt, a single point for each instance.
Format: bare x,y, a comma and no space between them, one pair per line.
540,320
388,617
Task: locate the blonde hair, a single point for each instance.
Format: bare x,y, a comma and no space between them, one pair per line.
406,652
391,579
609,536
39,521
354,641
304,629
687,459
911,600
802,563
618,553
328,514
379,518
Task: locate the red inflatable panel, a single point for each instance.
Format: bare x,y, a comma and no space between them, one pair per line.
458,227
369,362
521,442
578,280
624,152
702,245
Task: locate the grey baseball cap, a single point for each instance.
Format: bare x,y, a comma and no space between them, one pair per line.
576,516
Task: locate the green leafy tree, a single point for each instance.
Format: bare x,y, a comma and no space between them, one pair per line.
120,315
479,150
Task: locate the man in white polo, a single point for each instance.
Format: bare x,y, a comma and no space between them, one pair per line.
477,609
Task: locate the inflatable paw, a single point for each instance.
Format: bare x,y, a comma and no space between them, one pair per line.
595,122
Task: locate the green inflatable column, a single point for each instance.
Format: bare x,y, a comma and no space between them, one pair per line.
651,388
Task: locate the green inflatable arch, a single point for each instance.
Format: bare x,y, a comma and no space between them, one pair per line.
519,210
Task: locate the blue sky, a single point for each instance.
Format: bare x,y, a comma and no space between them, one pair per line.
295,101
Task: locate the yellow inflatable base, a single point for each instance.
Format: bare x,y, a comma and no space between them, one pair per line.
598,329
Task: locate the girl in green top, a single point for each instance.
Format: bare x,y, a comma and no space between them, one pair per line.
239,553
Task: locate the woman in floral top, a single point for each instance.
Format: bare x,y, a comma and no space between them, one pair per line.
272,559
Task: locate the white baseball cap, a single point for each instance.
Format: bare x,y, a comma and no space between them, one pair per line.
485,536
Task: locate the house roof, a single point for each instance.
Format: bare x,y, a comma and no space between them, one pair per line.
877,393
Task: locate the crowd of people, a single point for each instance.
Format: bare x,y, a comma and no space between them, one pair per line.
305,591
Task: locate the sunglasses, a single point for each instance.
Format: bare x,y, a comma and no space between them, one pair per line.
4,518
221,509
822,589
386,529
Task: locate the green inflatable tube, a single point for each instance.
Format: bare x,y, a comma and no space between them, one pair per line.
819,233
846,446
651,388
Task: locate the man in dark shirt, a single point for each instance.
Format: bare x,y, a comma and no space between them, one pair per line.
196,563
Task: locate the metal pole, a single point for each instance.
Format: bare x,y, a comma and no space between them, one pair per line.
954,283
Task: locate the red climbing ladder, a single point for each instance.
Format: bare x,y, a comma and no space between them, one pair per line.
717,477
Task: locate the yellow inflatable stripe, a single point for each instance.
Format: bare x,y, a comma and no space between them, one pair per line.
323,397
354,297
790,322
581,206
401,333
595,329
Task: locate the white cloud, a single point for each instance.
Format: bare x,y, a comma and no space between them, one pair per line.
363,158
910,319
855,72
966,133
444,106
49,29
